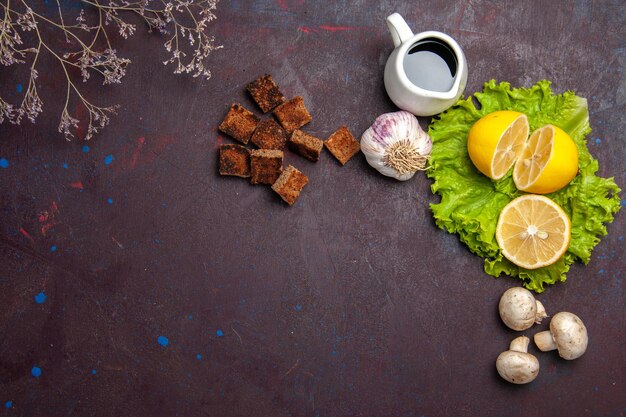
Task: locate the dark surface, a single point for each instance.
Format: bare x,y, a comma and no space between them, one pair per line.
349,303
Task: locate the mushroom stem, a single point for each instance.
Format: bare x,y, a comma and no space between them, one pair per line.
519,344
541,312
544,341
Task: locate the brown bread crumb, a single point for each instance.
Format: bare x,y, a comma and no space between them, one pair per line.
305,145
239,123
234,160
265,93
266,165
342,145
293,114
289,185
269,135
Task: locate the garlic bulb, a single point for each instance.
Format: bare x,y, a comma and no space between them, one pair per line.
396,145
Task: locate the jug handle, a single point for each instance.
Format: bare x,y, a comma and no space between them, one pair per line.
400,31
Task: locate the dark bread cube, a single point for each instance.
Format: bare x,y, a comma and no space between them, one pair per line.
265,93
239,123
266,165
305,145
342,145
293,114
290,184
269,135
234,160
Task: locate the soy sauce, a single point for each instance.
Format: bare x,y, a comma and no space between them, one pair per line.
431,64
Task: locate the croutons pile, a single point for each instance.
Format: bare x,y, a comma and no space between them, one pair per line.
265,164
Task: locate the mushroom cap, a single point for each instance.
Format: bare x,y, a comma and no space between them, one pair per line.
570,335
518,308
517,367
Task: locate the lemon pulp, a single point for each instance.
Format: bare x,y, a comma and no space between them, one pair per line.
547,163
496,141
533,231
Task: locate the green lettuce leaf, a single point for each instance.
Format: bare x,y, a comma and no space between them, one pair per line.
471,203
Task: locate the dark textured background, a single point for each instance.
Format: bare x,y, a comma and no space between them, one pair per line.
350,303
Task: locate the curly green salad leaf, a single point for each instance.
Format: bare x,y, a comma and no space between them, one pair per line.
471,202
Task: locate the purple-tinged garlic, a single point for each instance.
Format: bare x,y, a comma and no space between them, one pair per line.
396,145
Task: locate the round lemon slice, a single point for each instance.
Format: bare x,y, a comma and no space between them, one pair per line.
548,162
533,231
496,141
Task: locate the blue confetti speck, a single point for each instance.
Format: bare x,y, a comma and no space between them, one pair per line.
93,372
36,371
108,159
598,141
623,202
190,317
163,341
53,248
8,404
41,298
85,148
219,333
110,200
601,271
4,163
621,238
19,88
198,356
298,307
334,353
65,166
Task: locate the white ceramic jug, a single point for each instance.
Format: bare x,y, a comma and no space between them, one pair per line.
426,73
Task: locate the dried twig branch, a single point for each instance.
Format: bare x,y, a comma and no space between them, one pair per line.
88,48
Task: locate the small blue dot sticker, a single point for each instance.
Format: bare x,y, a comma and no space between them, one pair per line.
85,148
4,163
41,298
598,141
19,88
8,404
110,200
163,341
298,307
53,248
93,372
219,333
198,356
108,159
66,166
190,317
36,371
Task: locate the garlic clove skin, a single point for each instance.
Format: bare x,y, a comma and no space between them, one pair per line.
396,145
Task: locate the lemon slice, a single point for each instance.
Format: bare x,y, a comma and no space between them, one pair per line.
496,141
548,162
533,231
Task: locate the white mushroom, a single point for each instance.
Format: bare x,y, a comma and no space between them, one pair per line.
519,309
567,333
516,365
